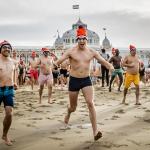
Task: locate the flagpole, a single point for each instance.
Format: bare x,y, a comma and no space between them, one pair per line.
79,12
104,31
76,6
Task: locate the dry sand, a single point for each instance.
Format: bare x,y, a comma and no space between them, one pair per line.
40,126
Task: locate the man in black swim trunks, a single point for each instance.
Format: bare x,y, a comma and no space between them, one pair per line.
7,85
80,57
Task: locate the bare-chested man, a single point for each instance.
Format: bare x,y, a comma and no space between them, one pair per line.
80,57
7,84
45,75
33,69
132,63
116,61
16,60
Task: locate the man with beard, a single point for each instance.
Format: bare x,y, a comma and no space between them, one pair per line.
80,57
132,63
7,85
45,75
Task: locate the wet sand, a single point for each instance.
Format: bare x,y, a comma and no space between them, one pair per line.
40,126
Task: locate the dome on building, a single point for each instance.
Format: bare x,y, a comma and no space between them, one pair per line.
69,37
106,43
58,43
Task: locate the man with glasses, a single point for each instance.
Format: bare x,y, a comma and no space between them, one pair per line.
80,57
7,84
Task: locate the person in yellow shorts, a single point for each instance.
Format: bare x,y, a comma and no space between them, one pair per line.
130,78
132,63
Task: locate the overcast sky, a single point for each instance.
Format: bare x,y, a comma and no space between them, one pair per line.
35,22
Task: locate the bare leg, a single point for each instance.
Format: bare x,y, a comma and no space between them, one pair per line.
73,97
120,81
40,93
124,98
112,79
32,82
49,84
6,125
88,94
137,95
62,81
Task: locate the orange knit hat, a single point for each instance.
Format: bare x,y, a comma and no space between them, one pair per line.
81,32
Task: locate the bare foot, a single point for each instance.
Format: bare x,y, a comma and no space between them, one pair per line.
7,141
50,102
137,103
125,103
66,119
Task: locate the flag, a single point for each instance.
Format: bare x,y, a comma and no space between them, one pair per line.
75,6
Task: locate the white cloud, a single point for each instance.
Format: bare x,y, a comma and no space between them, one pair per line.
36,22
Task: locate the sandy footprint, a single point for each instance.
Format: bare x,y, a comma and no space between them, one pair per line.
115,117
56,138
120,111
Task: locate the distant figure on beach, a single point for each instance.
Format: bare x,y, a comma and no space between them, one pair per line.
142,73
132,63
45,76
116,61
56,73
80,57
33,69
21,68
7,84
64,73
104,69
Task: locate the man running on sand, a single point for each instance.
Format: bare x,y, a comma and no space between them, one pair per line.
7,85
132,63
33,69
45,75
80,57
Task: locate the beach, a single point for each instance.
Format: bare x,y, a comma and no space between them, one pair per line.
40,126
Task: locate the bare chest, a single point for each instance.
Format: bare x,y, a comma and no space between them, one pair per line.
133,60
7,67
46,62
81,57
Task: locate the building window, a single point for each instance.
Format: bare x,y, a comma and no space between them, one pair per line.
90,41
73,41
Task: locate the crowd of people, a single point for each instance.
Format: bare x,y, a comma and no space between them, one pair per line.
72,70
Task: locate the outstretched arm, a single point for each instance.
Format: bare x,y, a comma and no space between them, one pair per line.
65,56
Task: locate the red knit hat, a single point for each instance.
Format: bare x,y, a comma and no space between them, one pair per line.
81,32
4,42
131,47
113,50
45,49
